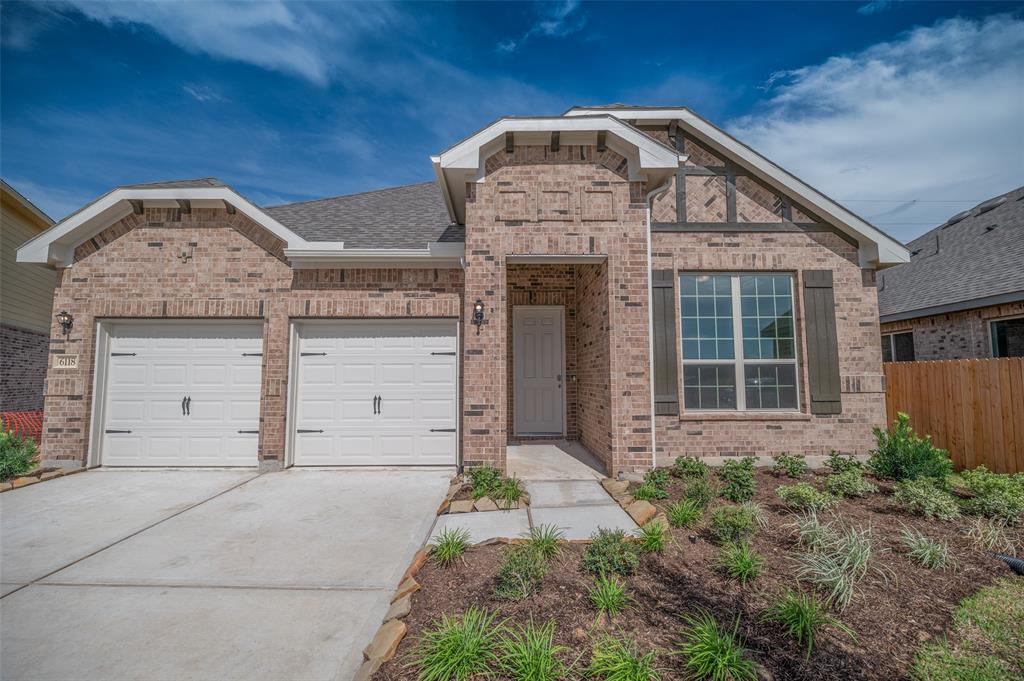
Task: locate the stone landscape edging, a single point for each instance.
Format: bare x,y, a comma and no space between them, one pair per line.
26,480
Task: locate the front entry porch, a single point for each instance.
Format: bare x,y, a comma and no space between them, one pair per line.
555,460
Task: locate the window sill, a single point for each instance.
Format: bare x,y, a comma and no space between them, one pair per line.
744,416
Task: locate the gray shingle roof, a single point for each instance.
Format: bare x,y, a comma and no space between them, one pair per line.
974,257
177,184
399,217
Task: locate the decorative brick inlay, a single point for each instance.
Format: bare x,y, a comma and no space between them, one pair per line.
755,202
705,198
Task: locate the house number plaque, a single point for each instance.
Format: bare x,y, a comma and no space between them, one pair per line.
65,361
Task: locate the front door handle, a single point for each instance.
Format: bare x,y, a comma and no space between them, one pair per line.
188,406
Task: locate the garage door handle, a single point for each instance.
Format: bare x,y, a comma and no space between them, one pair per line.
188,406
450,354
442,430
116,431
248,432
183,405
304,430
313,354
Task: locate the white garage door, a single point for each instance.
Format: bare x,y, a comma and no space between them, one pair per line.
376,393
183,395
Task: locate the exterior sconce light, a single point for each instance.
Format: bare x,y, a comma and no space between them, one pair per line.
478,314
66,321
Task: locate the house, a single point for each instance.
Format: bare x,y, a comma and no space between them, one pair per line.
631,278
25,310
961,296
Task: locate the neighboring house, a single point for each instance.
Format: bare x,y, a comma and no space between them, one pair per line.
961,296
26,297
545,286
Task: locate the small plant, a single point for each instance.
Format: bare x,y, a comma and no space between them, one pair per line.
804,496
483,480
658,477
509,492
18,455
839,564
614,660
995,495
546,540
813,534
530,654
756,512
652,537
926,551
737,479
688,467
610,551
684,513
789,465
740,562
849,483
841,464
922,497
991,535
647,492
903,455
714,653
802,616
609,595
458,648
700,491
520,573
732,523
449,545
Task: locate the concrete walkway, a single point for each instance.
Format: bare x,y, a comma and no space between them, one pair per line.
205,574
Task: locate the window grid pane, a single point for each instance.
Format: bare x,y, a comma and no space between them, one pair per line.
707,324
766,304
709,386
770,386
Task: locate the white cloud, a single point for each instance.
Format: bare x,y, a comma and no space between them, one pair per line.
553,20
875,7
927,123
202,93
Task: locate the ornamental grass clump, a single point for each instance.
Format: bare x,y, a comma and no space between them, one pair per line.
609,595
649,492
509,491
684,513
458,648
712,652
449,545
652,537
839,564
614,660
611,552
932,554
737,479
991,535
804,496
812,533
530,653
483,480
849,483
789,465
546,540
922,497
904,455
740,561
803,616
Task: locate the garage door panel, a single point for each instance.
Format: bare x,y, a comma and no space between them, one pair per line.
355,412
435,374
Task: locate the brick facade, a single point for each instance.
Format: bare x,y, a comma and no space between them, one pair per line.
956,335
23,355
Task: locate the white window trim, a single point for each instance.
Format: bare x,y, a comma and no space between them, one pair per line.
737,338
992,335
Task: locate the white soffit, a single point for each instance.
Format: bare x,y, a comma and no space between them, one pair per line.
877,249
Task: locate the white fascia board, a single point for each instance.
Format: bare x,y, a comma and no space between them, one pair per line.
56,245
877,249
434,255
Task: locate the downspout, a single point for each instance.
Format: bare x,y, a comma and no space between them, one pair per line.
651,195
459,466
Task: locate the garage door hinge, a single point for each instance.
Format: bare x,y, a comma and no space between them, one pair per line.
442,430
252,354
452,354
310,354
122,354
116,431
304,430
248,432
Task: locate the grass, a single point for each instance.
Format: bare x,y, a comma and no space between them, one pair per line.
530,653
458,648
652,537
740,561
986,642
520,573
803,616
614,660
990,534
649,491
509,491
449,545
611,552
812,533
684,513
840,562
713,653
926,551
609,595
483,480
546,540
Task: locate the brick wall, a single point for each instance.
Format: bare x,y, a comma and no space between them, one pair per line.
594,372
863,398
23,356
236,270
957,335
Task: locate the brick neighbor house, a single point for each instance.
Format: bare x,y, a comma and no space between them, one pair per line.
630,278
961,296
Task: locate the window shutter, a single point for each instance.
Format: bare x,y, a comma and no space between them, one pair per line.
663,307
822,342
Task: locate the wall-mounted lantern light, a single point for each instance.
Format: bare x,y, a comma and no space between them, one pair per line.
66,321
478,314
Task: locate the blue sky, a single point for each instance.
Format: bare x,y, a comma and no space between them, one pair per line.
907,111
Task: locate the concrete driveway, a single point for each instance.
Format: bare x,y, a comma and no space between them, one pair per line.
211,574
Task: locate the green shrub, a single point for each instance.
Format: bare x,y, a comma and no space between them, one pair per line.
530,654
840,464
684,513
458,648
609,595
483,480
802,616
614,660
732,523
520,573
658,477
841,561
610,551
700,491
689,467
804,496
904,455
18,455
791,466
741,562
711,652
849,483
449,545
546,540
932,554
652,537
922,497
647,492
737,479
996,495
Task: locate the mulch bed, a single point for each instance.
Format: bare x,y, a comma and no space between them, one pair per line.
892,619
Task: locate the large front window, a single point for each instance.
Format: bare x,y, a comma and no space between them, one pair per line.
739,344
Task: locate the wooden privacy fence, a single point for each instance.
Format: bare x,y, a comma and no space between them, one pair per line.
972,407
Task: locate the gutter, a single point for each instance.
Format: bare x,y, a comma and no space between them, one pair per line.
651,195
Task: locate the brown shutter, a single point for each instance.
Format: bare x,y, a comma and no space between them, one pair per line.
663,307
822,342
